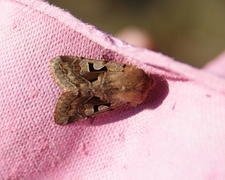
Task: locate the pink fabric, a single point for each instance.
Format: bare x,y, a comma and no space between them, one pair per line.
177,133
217,66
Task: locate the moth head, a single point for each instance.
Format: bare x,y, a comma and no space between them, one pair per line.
135,85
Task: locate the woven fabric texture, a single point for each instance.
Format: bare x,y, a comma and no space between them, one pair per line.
178,132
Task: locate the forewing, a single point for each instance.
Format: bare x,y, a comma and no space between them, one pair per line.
75,106
66,72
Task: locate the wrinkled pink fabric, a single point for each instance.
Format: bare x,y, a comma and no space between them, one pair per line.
178,132
217,66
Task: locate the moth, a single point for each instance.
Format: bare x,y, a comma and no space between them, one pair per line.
93,87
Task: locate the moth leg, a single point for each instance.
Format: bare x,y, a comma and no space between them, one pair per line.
104,57
92,119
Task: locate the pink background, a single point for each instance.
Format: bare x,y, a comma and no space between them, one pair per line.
177,133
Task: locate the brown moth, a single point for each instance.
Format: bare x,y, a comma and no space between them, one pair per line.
95,86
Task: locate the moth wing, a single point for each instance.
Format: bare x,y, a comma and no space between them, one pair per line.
69,107
65,70
75,106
